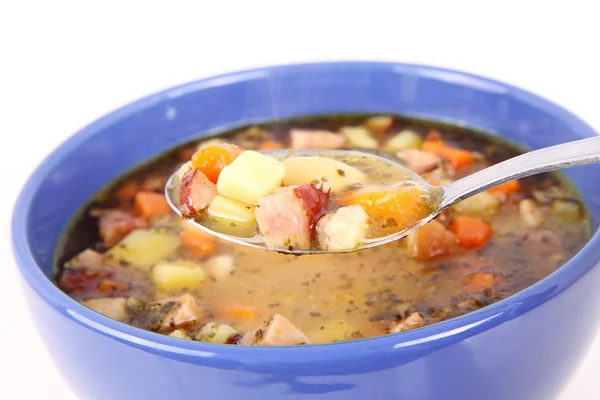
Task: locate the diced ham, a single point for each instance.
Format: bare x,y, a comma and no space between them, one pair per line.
287,218
180,312
343,229
419,161
316,139
413,321
112,307
87,259
277,331
195,193
114,225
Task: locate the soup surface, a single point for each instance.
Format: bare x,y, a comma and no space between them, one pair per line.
128,256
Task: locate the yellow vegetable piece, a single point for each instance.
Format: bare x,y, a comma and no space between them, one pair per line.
235,210
359,136
177,275
143,248
405,140
250,176
301,170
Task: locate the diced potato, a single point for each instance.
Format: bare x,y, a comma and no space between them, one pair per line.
413,321
176,275
405,140
482,205
343,229
235,210
142,248
380,123
301,170
251,176
180,334
566,209
359,136
213,332
221,266
530,213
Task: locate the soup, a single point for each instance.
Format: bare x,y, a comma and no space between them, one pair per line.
128,256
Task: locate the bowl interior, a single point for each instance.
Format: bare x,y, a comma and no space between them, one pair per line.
118,142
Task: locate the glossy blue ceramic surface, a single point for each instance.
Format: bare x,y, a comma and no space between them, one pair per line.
525,347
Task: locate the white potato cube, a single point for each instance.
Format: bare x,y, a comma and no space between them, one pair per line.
405,140
235,210
250,176
221,266
301,170
343,229
177,275
359,136
143,248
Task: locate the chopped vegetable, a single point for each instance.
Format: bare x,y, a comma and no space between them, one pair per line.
250,177
506,188
180,334
404,204
413,321
405,140
343,229
230,209
212,332
220,266
479,281
195,241
150,204
482,205
471,232
177,275
530,213
566,209
458,158
212,159
301,170
143,248
359,136
379,124
430,241
236,312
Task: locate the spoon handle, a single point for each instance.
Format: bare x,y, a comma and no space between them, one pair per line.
571,154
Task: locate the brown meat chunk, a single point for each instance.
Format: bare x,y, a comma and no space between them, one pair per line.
277,331
86,259
195,193
114,225
419,161
288,217
112,307
413,321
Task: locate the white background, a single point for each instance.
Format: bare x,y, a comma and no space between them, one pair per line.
63,64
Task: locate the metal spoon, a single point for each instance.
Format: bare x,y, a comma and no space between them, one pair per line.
571,154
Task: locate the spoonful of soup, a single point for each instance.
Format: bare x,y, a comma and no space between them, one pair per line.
333,201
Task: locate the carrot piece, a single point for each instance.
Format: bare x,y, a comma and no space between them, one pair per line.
479,281
506,189
236,312
471,232
431,241
150,204
196,242
458,158
270,145
212,159
406,204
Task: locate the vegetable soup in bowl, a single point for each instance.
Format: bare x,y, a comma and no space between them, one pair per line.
494,297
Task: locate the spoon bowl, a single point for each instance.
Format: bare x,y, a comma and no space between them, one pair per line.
580,152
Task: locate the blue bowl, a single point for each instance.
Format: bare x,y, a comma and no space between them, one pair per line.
524,347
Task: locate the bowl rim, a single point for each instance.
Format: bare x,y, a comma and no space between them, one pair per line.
453,330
